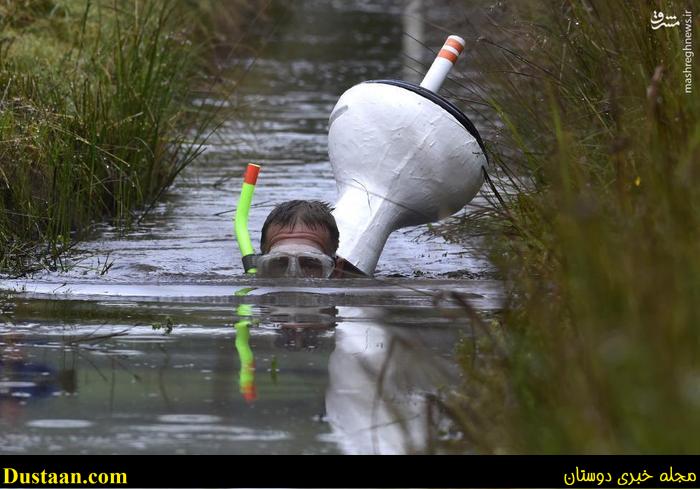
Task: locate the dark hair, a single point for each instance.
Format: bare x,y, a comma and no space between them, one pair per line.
312,213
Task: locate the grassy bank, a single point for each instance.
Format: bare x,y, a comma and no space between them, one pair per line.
95,119
598,234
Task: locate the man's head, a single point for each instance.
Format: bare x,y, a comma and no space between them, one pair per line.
300,238
307,222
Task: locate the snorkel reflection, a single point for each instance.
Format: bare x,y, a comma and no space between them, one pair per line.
380,378
298,326
246,378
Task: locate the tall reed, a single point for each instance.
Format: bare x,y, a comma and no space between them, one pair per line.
95,119
596,149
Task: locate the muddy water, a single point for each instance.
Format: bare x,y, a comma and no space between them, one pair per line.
152,342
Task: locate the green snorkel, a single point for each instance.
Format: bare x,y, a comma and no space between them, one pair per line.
241,219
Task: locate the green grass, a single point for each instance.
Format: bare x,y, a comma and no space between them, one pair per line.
95,119
598,165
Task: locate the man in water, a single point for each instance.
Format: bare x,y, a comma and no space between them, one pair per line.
300,239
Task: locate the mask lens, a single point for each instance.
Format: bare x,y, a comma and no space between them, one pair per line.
311,267
276,266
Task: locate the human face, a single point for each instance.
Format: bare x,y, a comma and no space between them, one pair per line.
299,251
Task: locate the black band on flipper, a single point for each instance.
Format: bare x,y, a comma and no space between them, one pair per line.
444,103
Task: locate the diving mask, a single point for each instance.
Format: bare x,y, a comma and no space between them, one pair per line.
295,260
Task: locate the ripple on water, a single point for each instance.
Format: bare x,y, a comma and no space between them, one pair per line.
208,431
123,353
146,339
189,418
6,385
60,423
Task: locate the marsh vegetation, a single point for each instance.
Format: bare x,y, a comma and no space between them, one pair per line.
595,228
95,113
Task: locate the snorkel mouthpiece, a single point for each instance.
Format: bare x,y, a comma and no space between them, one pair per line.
241,220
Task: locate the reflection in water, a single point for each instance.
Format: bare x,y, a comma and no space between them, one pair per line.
380,379
22,380
287,372
245,353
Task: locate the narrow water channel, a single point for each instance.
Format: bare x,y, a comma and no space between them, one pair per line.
153,342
